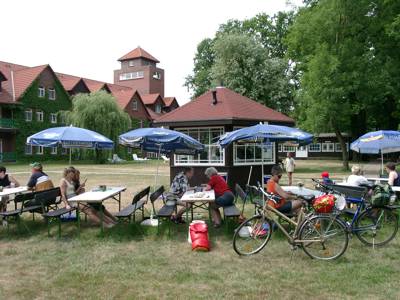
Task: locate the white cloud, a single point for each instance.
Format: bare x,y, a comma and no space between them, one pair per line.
85,38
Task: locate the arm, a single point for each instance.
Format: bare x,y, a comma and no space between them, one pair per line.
63,189
31,183
208,187
283,194
13,180
391,178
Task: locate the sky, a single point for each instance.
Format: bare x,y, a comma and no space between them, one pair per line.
85,38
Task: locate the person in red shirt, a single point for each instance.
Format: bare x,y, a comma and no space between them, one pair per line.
223,195
288,202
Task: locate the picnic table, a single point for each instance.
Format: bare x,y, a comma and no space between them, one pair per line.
13,191
199,200
373,179
98,196
301,191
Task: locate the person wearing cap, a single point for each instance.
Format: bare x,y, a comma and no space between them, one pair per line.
39,181
356,179
325,178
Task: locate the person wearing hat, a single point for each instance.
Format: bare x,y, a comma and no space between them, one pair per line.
39,181
325,178
356,179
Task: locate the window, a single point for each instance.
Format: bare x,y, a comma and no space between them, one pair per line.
53,118
64,151
280,148
28,115
251,153
134,105
39,116
288,148
39,150
131,63
131,75
28,149
41,92
338,147
158,108
62,118
52,94
328,147
314,147
213,154
157,75
53,150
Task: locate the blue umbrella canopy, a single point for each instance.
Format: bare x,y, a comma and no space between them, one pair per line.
70,137
161,140
382,141
266,133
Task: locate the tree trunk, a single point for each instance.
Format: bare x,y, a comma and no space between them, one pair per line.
345,154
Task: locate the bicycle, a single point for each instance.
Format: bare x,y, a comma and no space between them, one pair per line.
320,236
373,226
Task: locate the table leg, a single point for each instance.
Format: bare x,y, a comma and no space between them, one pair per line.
187,216
119,202
78,219
101,219
209,212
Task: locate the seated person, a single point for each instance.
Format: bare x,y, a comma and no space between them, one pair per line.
39,181
394,178
6,180
179,186
70,187
223,195
288,203
325,178
356,179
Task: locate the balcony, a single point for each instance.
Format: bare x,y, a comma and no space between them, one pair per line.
7,123
8,156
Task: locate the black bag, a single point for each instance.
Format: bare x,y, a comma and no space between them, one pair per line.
381,195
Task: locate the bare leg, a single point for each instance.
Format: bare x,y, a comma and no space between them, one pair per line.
296,205
183,210
215,214
109,215
290,177
95,217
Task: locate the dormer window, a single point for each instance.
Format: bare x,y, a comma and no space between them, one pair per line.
158,108
157,75
134,105
41,92
52,94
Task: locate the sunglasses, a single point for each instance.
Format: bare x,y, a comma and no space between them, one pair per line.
280,176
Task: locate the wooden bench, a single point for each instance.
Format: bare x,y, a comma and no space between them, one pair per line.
138,202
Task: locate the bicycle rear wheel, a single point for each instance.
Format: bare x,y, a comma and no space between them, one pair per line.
326,237
376,226
252,235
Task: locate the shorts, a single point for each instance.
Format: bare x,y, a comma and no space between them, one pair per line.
286,208
225,200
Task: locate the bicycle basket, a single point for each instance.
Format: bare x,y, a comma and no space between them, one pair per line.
324,204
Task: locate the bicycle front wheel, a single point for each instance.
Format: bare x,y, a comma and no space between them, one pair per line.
324,237
252,235
376,226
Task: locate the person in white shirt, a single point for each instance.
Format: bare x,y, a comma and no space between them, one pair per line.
394,178
356,179
289,166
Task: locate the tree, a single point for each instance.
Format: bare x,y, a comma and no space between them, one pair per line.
344,85
99,112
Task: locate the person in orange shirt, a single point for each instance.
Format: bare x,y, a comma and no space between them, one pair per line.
288,202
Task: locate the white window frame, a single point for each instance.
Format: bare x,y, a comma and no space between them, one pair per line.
39,116
221,162
158,108
41,92
328,144
31,114
53,118
131,75
52,93
30,149
53,150
64,151
253,161
135,105
288,148
157,75
131,63
39,150
280,148
313,150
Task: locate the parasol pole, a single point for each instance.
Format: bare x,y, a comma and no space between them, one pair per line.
381,162
158,165
70,155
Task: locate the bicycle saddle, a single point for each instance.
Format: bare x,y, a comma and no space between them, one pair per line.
308,198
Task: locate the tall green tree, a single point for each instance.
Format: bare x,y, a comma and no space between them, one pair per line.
334,44
99,112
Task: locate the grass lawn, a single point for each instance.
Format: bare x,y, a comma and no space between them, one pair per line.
125,264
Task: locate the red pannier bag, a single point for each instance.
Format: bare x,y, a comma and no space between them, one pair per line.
199,236
324,204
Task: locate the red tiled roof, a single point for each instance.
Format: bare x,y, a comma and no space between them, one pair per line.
149,99
94,85
68,81
169,100
153,115
139,53
116,88
23,78
230,106
6,95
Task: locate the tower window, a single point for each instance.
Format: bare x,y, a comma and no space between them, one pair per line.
131,75
131,63
157,75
